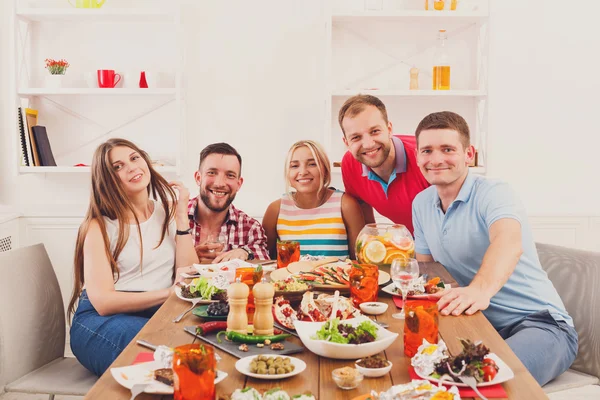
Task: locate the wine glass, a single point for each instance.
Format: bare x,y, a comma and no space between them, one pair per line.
404,271
217,239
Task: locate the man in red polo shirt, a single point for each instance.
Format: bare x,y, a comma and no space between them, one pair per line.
379,169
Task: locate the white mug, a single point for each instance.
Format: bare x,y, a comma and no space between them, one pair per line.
91,79
131,80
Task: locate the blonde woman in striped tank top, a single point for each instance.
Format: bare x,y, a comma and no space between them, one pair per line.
325,221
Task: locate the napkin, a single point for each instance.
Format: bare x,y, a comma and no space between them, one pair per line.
398,301
494,391
142,357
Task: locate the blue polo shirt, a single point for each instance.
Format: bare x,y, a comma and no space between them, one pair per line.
459,238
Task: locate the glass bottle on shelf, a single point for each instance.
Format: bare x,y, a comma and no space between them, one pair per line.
441,63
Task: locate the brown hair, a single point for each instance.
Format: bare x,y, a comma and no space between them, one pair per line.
219,148
108,199
320,156
445,120
357,104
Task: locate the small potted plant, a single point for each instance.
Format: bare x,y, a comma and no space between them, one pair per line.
57,69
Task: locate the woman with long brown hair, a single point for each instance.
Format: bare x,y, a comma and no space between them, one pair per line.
129,248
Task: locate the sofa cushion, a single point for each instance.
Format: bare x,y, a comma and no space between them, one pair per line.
583,393
576,276
570,379
64,376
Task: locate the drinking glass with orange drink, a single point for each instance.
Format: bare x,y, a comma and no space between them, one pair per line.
421,322
380,244
195,369
288,251
364,283
250,276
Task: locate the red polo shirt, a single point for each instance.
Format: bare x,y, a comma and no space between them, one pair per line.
392,199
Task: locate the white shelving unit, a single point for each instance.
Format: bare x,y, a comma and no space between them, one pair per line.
345,28
28,22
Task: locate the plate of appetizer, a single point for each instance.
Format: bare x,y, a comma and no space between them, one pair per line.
419,289
160,379
270,366
202,291
434,363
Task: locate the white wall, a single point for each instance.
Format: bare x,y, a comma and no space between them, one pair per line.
255,78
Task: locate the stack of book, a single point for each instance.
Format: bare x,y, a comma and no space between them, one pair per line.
35,146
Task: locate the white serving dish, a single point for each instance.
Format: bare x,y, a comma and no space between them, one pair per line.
504,374
144,373
243,366
373,307
306,330
373,372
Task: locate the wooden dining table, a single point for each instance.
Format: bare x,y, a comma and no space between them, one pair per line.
317,376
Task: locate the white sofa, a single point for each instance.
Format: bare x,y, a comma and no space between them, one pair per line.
576,276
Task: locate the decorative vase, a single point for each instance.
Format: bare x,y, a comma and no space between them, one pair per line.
54,81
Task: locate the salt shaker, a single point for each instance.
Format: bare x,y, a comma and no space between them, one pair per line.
263,301
237,294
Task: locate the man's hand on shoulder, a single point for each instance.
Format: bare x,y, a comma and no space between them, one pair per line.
460,300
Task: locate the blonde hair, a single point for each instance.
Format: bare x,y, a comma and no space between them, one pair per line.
323,164
108,199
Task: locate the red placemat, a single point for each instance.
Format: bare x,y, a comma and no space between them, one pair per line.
143,357
494,391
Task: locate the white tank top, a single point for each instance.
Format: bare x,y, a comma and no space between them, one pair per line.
158,263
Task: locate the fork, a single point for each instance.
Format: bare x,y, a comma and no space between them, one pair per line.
180,316
467,380
138,388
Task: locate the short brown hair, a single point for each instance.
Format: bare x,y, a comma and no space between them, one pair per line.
357,104
219,148
445,120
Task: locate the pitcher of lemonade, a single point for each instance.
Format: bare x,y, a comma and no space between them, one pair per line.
379,244
87,3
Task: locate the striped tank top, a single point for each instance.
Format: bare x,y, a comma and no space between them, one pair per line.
320,231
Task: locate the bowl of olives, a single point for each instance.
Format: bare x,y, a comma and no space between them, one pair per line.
270,366
213,311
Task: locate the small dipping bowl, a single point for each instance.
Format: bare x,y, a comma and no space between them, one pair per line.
373,307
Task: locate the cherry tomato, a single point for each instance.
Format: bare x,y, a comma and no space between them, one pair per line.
489,373
489,361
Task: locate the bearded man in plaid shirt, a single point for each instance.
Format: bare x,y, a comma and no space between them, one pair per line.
213,219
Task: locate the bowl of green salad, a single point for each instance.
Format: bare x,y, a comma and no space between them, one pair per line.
349,339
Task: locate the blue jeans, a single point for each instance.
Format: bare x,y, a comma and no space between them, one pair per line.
97,341
545,346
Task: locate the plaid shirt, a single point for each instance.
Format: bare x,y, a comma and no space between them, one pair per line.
241,231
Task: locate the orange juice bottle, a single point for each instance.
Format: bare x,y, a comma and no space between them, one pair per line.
441,63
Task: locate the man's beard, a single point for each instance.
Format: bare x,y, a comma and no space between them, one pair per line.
385,152
204,196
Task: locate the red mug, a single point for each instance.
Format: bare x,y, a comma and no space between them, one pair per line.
106,78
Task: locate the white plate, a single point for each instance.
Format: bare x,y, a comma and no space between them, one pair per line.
178,293
144,373
391,289
306,330
504,374
243,366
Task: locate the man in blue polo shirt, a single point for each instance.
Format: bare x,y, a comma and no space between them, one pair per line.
478,230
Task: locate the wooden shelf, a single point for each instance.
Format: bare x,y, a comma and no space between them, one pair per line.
95,15
410,93
461,16
96,91
69,170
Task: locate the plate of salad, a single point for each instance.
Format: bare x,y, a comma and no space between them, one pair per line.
433,362
347,339
201,288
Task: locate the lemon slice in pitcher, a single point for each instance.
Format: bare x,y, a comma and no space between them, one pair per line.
375,251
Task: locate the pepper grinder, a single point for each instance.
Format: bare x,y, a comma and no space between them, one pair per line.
263,300
237,294
414,79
